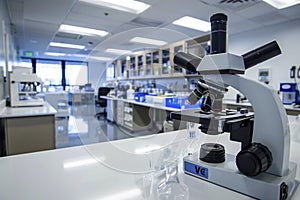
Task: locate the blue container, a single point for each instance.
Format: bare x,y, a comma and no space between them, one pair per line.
140,96
288,87
181,103
297,101
289,93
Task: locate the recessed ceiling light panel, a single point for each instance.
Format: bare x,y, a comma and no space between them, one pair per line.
193,23
78,56
81,30
65,45
117,51
280,4
100,58
148,41
131,6
54,54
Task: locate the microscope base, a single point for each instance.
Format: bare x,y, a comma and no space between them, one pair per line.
226,174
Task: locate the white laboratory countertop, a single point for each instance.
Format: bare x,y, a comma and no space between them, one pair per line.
142,103
104,171
291,107
10,112
81,92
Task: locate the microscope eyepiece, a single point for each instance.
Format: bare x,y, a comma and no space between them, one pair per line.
218,34
261,54
187,61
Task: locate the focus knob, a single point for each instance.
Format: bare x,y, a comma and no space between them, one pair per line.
254,160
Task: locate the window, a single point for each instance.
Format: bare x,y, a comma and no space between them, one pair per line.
25,62
50,73
110,71
76,73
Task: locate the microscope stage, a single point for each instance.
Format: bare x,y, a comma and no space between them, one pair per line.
198,116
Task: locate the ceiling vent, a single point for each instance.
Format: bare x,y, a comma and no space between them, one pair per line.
68,36
127,44
231,5
145,22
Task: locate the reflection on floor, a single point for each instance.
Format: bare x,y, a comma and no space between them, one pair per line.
82,127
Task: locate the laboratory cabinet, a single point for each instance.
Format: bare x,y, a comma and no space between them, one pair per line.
27,134
27,129
140,64
78,97
132,66
136,117
198,46
111,110
156,60
174,49
149,64
157,63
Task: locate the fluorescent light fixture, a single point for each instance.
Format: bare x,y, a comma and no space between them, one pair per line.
91,57
124,195
147,149
138,52
65,54
79,163
54,54
280,4
117,51
193,23
130,6
65,45
81,30
99,58
148,41
78,56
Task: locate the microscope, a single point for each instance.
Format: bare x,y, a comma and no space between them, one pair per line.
262,168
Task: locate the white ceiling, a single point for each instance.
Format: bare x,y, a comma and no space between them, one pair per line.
36,22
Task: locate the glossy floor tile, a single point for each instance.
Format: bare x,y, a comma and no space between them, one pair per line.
83,127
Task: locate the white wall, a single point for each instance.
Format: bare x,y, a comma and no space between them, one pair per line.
5,28
3,18
288,37
96,73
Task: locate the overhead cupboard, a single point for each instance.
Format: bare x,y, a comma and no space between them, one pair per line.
158,62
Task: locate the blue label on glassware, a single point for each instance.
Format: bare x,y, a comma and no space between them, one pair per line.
196,169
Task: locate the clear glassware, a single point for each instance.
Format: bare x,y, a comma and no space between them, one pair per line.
172,189
164,181
194,143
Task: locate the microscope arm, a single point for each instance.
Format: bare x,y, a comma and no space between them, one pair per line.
265,143
270,121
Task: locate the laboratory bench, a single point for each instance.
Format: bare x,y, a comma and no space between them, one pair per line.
27,129
136,116
140,116
141,103
122,169
79,97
